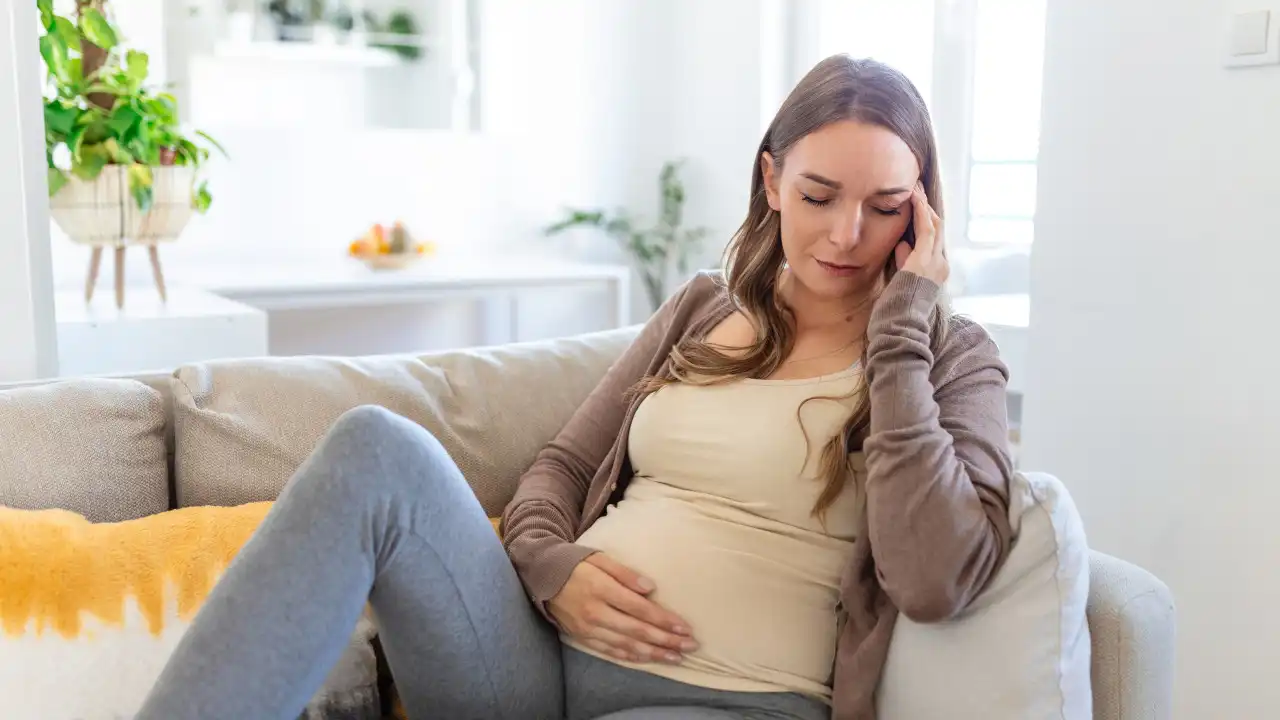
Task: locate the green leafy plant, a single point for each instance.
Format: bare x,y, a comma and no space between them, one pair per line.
98,107
400,24
654,249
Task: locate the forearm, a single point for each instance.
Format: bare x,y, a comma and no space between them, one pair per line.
539,527
543,560
937,458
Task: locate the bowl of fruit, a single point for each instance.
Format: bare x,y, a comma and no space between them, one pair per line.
383,249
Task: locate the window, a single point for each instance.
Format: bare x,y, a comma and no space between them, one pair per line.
979,65
1008,53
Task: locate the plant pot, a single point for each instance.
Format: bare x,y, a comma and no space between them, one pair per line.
103,213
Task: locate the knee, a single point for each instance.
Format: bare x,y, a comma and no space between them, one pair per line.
366,423
389,447
374,428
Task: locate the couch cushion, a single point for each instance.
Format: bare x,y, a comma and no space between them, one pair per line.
90,613
242,427
95,447
1022,648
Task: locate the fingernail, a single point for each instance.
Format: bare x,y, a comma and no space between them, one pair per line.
673,657
688,646
645,584
680,630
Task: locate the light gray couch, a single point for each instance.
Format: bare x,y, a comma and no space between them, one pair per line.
231,432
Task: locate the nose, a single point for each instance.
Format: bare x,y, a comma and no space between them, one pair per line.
847,232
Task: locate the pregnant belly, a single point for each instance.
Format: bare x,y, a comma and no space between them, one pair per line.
761,600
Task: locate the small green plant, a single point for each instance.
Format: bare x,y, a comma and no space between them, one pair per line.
400,24
98,107
655,249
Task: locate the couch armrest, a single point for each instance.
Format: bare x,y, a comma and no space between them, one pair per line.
1132,623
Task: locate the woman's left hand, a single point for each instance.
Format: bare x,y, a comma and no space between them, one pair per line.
929,258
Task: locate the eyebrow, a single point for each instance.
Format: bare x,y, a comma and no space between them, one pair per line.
835,185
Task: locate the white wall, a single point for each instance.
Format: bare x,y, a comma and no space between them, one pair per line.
621,87
27,337
725,87
1153,389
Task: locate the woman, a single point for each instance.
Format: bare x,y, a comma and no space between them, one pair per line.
789,458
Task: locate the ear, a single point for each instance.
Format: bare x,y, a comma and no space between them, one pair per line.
768,168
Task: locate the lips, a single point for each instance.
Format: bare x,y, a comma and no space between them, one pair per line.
838,269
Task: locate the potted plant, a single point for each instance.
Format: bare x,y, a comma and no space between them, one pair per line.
401,34
121,169
655,250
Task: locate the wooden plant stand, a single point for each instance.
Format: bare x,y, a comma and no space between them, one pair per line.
95,264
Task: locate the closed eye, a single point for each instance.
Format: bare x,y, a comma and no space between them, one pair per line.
815,201
889,211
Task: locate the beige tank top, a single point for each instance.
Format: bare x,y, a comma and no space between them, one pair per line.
719,516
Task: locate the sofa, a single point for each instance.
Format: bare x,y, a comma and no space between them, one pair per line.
231,432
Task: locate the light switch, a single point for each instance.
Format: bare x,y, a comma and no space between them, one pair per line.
1252,38
1249,33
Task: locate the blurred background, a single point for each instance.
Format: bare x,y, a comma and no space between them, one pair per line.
475,123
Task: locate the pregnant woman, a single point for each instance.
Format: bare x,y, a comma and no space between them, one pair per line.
788,456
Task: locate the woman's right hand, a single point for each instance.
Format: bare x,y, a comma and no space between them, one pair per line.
604,604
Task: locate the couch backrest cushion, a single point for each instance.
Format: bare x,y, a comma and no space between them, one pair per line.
95,447
243,427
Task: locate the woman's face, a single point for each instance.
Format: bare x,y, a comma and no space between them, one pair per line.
844,196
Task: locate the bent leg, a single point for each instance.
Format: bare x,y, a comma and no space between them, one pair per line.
378,513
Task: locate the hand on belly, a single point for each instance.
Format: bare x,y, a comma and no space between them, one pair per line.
604,604
763,604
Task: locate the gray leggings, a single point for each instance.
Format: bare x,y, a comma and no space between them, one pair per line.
380,513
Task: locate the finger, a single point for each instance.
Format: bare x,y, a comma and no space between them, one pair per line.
939,238
648,633
901,252
922,212
642,608
922,220
604,647
636,650
631,579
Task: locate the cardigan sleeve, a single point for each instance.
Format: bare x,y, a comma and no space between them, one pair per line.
938,462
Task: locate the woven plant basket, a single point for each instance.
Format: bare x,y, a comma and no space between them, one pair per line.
102,212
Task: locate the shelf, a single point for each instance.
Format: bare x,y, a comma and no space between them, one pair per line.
309,52
308,34
1007,311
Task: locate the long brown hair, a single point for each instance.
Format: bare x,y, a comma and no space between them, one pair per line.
838,88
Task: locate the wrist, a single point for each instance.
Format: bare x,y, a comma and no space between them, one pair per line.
907,297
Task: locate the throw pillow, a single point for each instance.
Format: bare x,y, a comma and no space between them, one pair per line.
89,613
94,446
1022,649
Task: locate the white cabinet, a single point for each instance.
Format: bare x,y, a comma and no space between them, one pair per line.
98,338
